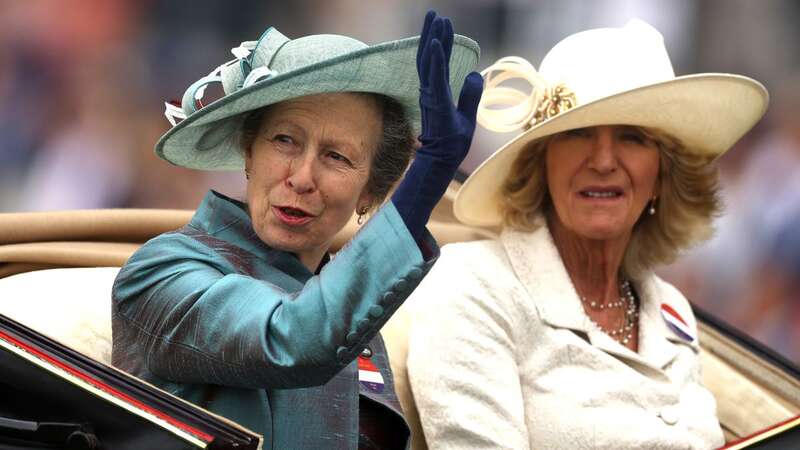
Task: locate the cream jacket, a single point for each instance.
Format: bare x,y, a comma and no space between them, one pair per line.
502,356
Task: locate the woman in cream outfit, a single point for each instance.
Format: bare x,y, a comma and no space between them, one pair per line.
558,334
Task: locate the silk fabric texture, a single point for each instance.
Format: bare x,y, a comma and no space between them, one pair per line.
213,315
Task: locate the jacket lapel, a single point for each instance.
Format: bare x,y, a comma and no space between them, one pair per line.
546,280
659,342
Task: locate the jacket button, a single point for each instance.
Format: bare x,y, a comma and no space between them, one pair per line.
366,353
670,415
401,285
415,273
341,353
362,326
389,297
375,311
351,337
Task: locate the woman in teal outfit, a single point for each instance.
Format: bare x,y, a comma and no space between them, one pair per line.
242,311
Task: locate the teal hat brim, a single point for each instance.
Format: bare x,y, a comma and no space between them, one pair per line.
208,139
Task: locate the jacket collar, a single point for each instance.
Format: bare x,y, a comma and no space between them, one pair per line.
538,265
228,219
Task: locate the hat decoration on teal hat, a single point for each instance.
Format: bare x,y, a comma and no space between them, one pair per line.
206,135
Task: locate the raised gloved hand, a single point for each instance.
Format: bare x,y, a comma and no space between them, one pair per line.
446,129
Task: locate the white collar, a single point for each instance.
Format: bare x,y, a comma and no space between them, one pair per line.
538,265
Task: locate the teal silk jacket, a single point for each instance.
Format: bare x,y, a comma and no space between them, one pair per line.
213,315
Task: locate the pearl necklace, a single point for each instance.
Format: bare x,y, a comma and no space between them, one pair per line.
624,333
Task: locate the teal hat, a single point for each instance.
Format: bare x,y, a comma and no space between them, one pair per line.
276,68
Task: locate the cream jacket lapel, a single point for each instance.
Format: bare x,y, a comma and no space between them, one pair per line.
557,303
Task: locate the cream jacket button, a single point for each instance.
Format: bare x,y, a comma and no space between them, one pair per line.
670,415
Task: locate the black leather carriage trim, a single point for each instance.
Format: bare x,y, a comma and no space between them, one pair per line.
222,435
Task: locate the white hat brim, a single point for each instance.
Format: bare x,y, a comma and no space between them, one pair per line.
707,112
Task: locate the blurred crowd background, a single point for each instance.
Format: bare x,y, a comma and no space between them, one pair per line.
83,85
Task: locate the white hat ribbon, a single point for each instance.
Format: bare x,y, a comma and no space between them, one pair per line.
505,108
582,68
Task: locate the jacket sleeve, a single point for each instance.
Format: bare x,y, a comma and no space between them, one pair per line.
191,321
462,366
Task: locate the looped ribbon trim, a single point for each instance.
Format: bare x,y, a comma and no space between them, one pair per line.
193,97
243,50
505,108
174,113
256,75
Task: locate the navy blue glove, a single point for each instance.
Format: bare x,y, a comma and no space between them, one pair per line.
446,129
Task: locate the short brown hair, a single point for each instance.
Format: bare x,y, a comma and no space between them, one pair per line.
688,201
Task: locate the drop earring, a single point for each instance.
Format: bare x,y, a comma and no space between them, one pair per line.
363,210
652,209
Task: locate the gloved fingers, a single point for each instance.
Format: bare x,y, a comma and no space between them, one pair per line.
447,44
470,96
424,68
425,57
437,30
424,39
439,87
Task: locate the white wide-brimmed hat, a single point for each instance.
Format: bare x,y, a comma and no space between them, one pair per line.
605,76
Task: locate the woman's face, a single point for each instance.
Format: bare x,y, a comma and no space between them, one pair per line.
308,168
601,178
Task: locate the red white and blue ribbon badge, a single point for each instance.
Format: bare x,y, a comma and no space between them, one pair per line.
369,376
676,323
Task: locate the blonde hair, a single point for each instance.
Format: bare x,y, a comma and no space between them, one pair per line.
688,200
